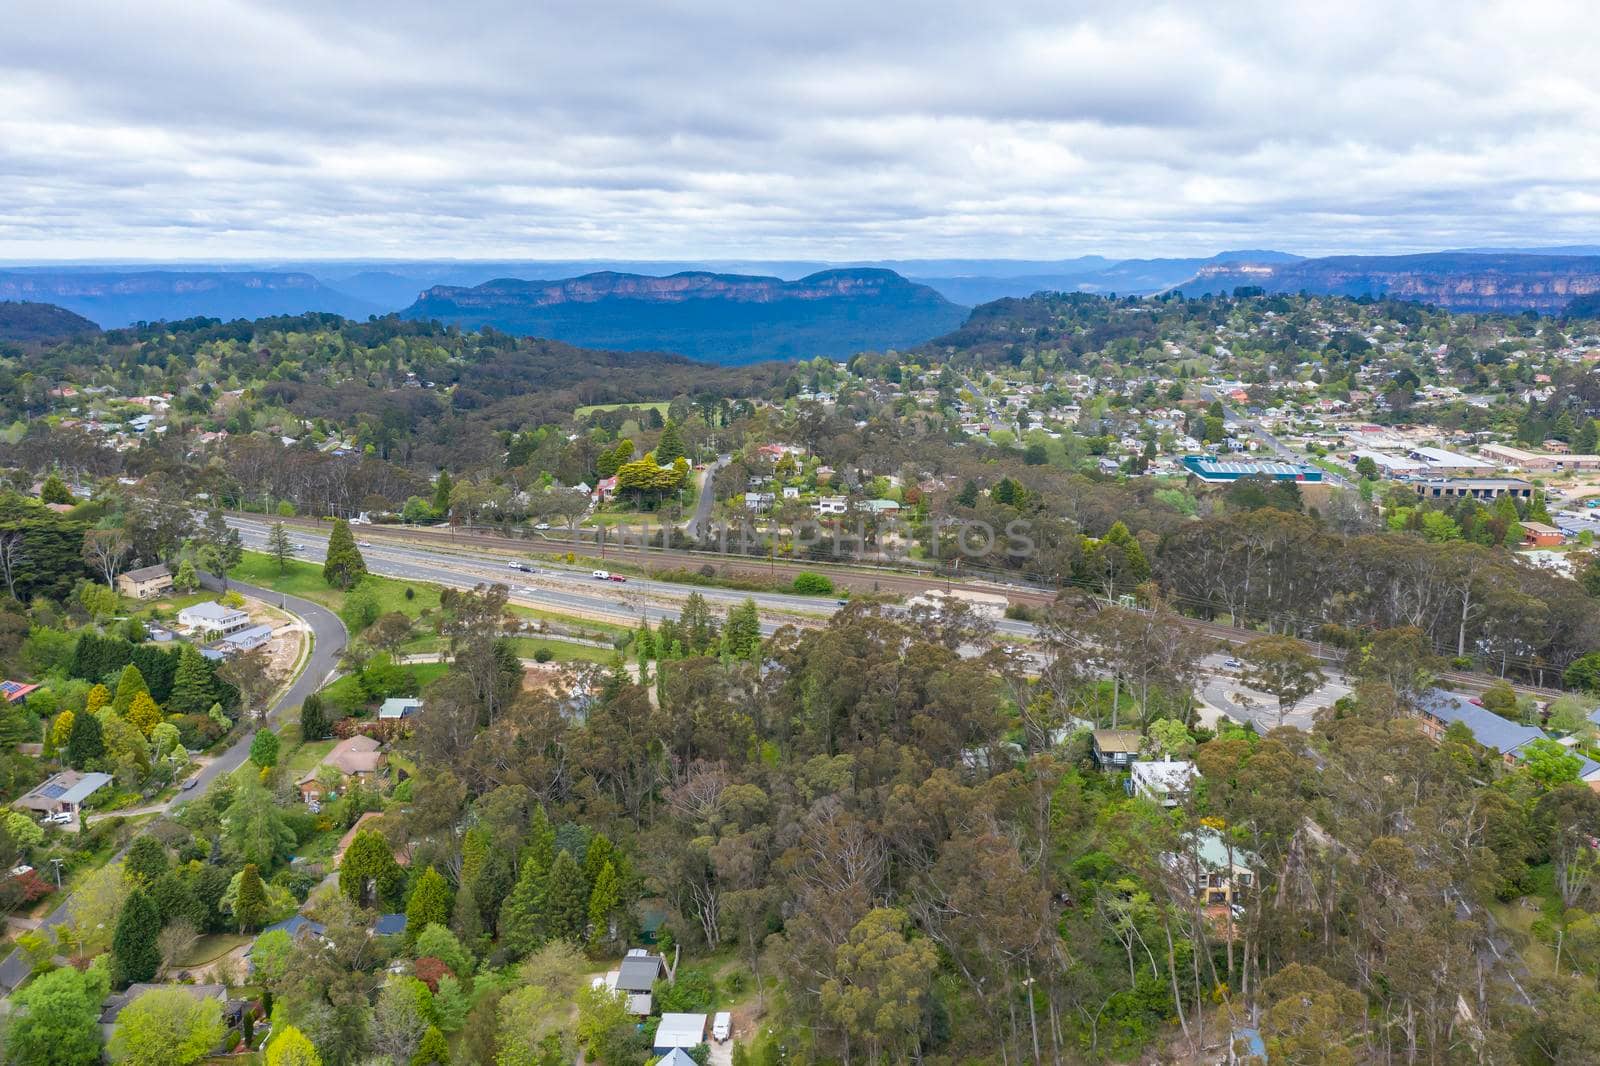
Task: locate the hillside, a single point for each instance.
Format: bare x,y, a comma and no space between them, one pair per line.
723,318
1458,281
120,298
27,321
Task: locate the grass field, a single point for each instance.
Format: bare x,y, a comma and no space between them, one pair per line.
304,579
584,412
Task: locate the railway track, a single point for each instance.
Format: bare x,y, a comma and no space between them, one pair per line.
858,578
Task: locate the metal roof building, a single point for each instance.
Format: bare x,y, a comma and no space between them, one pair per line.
1221,471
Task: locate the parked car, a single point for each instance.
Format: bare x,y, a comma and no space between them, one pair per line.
722,1026
542,525
1232,663
58,818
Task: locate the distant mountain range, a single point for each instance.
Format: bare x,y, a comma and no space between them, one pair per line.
1459,281
21,320
121,298
735,310
720,318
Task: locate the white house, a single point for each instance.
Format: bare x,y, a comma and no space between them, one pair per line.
396,708
832,505
213,617
1162,782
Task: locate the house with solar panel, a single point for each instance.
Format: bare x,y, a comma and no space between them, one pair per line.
15,691
64,793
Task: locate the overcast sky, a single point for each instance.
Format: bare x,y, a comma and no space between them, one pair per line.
852,130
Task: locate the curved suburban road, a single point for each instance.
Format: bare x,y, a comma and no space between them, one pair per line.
328,640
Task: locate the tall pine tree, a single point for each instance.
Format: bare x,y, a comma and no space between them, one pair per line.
343,566
429,903
192,688
566,899
133,945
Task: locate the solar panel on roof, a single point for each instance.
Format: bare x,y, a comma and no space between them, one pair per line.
54,791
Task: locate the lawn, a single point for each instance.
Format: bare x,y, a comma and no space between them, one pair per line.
210,948
585,412
304,579
306,756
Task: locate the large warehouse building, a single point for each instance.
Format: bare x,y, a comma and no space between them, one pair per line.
1221,471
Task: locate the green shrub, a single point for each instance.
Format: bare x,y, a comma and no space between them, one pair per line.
809,584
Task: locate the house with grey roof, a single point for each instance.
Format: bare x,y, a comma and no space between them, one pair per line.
64,793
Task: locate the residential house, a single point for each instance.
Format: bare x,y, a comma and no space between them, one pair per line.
356,758
64,793
1438,710
146,583
1114,749
389,925
213,617
832,505
399,708
679,1031
248,639
16,691
636,978
1163,782
1220,874
114,1005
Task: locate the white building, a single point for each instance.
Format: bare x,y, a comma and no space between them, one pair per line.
1162,782
832,505
213,617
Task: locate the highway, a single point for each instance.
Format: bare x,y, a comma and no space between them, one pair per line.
561,588
328,641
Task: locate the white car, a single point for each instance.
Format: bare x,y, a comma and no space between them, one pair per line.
58,818
1232,663
363,543
721,1026
542,525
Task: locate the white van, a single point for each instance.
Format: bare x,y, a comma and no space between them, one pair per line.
722,1026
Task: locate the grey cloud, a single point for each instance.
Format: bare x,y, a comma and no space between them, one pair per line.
832,129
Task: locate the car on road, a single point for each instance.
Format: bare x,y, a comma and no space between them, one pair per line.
189,784
542,525
1232,664
615,577
722,1026
363,543
602,575
524,567
523,590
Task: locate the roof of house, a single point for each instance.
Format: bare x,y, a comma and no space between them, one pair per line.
1539,527
399,707
148,573
254,633
389,925
210,610
1488,728
1164,776
114,1005
638,973
676,1057
680,1030
1120,741
15,690
355,755
69,786
293,925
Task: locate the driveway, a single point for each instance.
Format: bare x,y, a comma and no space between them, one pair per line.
700,524
329,638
